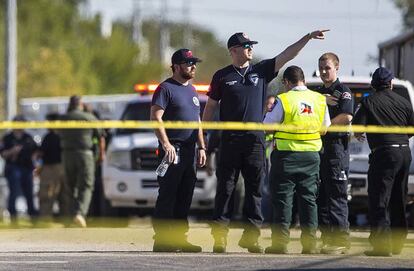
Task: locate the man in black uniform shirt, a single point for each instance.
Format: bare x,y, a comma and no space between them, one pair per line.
17,148
241,90
175,99
389,164
332,199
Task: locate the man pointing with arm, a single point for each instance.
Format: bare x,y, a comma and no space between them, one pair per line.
241,90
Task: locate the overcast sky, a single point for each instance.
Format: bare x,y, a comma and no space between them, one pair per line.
357,26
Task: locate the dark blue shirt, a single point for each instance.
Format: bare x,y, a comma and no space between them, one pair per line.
24,158
242,98
180,103
345,103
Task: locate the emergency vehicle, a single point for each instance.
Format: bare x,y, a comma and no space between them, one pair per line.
129,177
358,168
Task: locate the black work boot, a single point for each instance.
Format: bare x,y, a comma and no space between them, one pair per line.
160,246
276,249
186,246
220,244
252,244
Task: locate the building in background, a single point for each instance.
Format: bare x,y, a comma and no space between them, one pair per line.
397,54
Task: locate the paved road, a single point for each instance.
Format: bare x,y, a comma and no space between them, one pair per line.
130,249
206,261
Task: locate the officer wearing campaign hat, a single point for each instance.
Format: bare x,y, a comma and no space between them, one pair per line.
389,164
240,88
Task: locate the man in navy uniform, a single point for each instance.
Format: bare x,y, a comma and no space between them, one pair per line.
240,88
389,164
332,200
176,99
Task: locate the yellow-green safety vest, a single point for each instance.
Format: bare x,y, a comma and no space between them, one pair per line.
304,109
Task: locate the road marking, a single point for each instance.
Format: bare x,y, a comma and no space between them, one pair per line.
34,262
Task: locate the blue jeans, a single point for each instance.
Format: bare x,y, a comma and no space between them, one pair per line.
19,179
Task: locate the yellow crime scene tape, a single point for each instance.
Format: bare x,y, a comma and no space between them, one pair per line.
242,126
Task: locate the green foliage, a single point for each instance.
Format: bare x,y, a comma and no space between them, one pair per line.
62,53
407,8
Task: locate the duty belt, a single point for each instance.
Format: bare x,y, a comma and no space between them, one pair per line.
389,146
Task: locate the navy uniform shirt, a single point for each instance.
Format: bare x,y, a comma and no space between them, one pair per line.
180,103
345,103
29,146
242,99
385,108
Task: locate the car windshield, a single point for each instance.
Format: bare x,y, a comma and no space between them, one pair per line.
140,111
136,112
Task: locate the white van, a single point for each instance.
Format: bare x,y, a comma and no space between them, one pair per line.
358,168
129,178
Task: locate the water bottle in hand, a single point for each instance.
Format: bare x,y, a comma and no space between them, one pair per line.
163,167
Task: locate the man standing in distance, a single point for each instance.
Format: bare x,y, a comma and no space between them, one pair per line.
332,200
241,90
175,99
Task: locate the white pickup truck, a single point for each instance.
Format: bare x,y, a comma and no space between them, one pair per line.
358,204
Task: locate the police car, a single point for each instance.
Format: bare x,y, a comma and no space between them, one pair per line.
358,168
129,177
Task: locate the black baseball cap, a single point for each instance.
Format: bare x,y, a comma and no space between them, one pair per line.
184,56
381,76
238,39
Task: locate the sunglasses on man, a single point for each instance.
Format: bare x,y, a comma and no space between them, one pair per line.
246,46
189,63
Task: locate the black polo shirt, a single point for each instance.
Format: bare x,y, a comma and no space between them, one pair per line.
385,108
29,146
51,150
345,103
180,103
242,99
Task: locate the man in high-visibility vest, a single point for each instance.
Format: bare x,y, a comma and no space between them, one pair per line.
295,160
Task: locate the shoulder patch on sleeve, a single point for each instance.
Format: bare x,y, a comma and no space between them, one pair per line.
346,96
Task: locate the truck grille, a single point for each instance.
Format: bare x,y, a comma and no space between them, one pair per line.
144,158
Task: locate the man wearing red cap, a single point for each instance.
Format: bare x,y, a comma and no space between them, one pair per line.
389,164
240,88
176,99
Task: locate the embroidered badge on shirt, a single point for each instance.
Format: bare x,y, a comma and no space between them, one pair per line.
230,83
254,78
346,96
196,101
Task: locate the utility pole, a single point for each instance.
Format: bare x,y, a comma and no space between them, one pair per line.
137,22
164,33
137,35
11,58
187,35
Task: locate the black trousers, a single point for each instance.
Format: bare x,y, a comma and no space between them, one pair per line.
245,154
175,194
387,191
333,199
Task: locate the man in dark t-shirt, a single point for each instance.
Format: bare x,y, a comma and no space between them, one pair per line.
17,148
176,99
52,175
389,164
240,88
